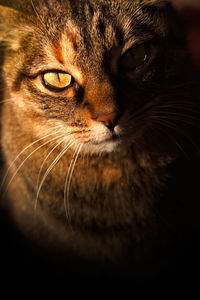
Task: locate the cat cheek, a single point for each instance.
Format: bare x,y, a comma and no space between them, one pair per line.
147,76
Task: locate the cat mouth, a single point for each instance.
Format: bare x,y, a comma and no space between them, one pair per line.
112,139
111,142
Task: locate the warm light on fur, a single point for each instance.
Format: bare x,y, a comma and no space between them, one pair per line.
97,164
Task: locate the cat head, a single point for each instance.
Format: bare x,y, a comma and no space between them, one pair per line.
109,74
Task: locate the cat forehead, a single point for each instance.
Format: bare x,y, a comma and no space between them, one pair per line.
89,30
84,41
95,36
53,6
80,34
83,33
92,20
82,50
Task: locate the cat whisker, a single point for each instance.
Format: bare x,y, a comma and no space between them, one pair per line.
180,104
59,156
141,110
185,106
181,119
52,152
26,148
179,146
167,123
7,100
68,180
178,114
19,167
171,137
53,128
171,122
37,14
57,145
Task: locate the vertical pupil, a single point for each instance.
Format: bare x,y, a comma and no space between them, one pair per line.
58,77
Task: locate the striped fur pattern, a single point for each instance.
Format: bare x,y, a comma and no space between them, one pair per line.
91,168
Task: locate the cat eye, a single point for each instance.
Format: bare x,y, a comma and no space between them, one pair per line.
134,58
57,81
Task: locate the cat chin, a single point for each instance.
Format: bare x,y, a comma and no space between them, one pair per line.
103,147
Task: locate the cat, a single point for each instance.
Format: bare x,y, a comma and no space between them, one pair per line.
99,130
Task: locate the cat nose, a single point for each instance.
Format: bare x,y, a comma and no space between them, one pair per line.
110,119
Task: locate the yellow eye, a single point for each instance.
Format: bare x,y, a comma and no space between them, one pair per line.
135,57
57,80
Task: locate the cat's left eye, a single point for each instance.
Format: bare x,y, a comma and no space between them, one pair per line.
57,81
135,58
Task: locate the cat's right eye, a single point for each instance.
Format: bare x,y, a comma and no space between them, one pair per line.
57,81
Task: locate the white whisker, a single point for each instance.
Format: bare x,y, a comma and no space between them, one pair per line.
7,100
26,148
57,144
68,180
171,137
50,168
37,14
15,173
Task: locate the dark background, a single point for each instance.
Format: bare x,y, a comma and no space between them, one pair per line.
22,263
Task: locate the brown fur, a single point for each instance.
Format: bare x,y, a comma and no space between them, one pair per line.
122,198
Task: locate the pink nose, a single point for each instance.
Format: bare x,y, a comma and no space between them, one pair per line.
109,119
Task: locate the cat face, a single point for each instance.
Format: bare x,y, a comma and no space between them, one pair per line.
104,72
